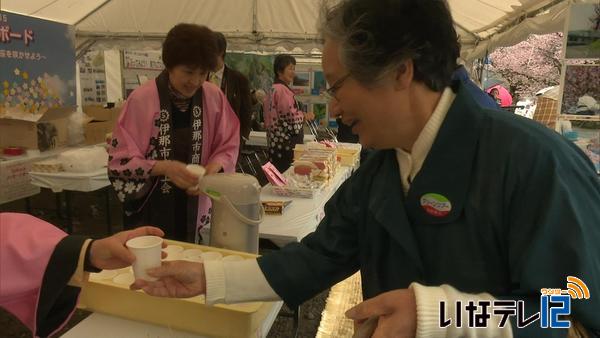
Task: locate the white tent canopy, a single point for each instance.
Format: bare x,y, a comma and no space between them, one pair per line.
263,25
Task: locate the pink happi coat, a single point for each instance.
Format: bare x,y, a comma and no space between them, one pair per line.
138,124
26,244
280,104
284,122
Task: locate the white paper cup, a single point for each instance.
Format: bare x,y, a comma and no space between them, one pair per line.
195,259
173,256
124,279
192,253
211,256
173,249
232,258
174,253
197,170
104,274
147,251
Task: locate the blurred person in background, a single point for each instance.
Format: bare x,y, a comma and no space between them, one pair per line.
284,120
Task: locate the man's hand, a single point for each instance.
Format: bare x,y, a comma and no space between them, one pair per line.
309,116
397,312
179,279
111,253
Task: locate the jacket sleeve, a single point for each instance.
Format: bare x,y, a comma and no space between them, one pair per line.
225,132
37,260
324,257
129,167
554,223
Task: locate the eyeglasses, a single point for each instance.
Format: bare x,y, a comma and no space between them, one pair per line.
329,94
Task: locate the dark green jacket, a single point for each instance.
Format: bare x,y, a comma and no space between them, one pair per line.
525,214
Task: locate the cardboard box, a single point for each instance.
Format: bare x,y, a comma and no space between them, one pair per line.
45,131
15,182
95,131
275,207
101,122
98,113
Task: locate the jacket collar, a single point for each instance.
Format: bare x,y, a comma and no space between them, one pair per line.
387,205
439,191
444,177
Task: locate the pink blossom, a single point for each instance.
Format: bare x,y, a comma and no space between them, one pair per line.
530,65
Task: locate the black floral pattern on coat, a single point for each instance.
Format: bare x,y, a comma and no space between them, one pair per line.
114,142
154,142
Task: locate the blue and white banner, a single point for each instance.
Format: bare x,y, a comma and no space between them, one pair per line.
37,65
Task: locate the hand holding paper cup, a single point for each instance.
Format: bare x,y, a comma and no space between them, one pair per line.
199,171
147,251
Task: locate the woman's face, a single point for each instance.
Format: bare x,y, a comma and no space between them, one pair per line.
495,93
186,79
288,74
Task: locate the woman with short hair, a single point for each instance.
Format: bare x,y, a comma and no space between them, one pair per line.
283,118
177,119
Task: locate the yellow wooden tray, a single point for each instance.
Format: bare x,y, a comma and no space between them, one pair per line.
187,314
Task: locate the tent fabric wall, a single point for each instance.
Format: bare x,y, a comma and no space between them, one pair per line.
65,11
264,25
158,16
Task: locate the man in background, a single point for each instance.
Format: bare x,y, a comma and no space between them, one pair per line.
236,87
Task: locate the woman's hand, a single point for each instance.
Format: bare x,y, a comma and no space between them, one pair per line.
177,173
211,168
111,253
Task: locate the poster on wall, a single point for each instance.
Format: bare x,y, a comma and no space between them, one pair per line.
148,60
580,99
38,66
581,72
581,90
301,84
583,35
321,116
257,68
92,77
140,67
320,84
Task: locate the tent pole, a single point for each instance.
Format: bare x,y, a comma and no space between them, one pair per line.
257,37
516,16
484,66
43,7
84,48
104,3
466,30
254,16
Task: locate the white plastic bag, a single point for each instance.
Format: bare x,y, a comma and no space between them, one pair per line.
84,160
76,122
